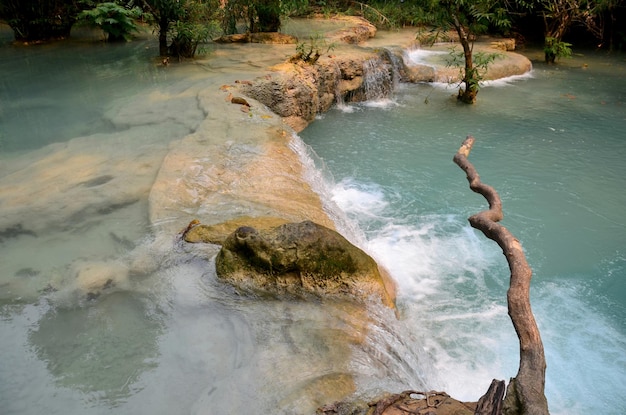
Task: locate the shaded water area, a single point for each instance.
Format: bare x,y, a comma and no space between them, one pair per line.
84,131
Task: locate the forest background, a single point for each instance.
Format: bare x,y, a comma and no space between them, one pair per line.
184,24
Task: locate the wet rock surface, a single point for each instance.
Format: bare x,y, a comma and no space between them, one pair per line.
300,259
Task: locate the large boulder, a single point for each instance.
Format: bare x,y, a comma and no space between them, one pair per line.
301,259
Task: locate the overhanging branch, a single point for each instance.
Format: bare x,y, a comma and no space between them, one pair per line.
525,394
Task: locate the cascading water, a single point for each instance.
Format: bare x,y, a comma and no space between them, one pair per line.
339,101
377,79
396,62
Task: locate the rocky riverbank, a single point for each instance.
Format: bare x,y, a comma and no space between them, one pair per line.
297,90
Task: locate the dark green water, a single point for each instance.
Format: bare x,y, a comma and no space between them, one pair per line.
553,145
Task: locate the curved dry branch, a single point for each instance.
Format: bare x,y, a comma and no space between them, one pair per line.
525,394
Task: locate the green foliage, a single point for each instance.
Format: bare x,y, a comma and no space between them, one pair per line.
295,7
187,36
116,21
258,15
309,52
324,7
474,16
267,15
388,14
187,23
196,24
468,19
36,20
473,76
560,15
162,14
234,11
555,49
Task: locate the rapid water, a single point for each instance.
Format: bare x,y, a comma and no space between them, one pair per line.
84,128
553,145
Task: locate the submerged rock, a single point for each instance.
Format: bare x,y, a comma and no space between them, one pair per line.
95,277
301,259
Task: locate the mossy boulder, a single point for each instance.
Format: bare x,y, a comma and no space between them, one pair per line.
302,259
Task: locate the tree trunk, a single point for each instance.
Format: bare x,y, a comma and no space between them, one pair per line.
467,95
525,394
491,402
164,26
268,12
38,20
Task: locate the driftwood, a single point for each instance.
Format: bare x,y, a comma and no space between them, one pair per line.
491,402
405,403
525,394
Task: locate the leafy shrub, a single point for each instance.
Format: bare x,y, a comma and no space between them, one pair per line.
472,77
555,48
116,21
309,52
387,14
197,23
186,36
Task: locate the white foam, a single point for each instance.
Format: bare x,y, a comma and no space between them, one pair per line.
359,199
321,181
441,267
509,80
346,108
381,103
452,296
424,57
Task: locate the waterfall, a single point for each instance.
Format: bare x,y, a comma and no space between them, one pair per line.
396,63
339,100
377,79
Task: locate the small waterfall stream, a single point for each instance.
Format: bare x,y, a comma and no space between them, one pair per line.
378,81
339,100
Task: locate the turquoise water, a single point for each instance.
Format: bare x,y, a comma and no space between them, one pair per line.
553,145
102,310
84,127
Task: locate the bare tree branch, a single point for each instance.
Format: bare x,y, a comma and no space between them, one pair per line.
525,394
